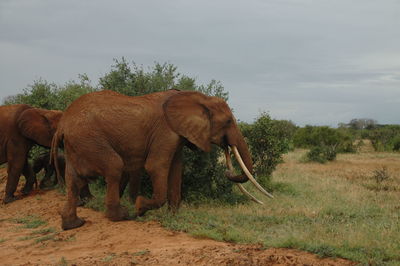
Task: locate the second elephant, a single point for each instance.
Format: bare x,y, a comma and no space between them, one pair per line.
43,162
22,126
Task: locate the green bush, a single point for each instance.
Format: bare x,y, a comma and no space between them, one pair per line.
310,136
396,143
204,177
385,138
325,142
321,154
268,140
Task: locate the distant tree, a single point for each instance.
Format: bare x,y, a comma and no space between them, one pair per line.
40,94
214,88
362,123
47,95
72,90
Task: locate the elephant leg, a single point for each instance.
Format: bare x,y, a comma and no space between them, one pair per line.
158,171
30,178
113,175
69,217
114,211
14,169
16,157
174,182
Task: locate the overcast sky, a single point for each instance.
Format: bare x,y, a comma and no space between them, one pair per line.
315,62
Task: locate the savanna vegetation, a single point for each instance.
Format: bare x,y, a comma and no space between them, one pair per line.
333,197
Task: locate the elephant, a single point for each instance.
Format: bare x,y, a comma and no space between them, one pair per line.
43,162
117,136
22,126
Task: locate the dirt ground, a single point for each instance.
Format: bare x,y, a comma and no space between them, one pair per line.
101,242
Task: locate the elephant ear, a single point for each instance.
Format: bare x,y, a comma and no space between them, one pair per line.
39,125
188,117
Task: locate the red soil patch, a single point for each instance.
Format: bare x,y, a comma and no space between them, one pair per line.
102,242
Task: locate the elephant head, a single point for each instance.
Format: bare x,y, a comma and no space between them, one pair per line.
39,125
205,120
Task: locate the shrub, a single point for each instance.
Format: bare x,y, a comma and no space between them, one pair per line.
268,140
396,143
385,138
321,154
380,175
347,140
325,142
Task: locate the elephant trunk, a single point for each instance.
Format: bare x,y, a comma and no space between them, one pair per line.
236,139
243,157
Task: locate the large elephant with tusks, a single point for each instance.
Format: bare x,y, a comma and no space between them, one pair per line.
116,136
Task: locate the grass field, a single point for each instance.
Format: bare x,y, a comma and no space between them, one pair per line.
348,208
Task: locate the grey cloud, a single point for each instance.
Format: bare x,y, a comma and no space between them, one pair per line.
315,62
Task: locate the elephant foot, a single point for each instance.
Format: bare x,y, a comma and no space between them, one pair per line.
117,213
9,199
27,188
140,206
71,223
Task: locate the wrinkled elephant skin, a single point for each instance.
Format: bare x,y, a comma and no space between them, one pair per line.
117,136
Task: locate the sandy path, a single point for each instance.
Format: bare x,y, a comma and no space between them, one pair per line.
101,242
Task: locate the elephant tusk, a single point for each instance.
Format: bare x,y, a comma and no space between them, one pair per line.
242,189
228,160
249,175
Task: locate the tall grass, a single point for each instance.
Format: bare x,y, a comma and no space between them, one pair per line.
325,209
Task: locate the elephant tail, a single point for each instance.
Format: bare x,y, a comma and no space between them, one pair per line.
55,143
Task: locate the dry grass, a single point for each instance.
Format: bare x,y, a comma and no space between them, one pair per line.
332,209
